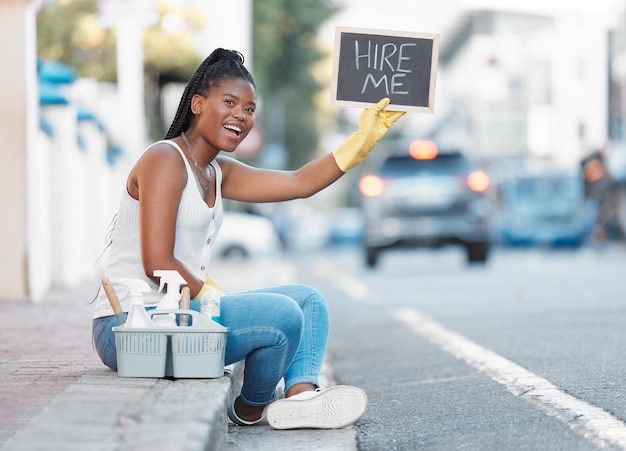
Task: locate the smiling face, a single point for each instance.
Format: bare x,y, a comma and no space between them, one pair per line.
225,115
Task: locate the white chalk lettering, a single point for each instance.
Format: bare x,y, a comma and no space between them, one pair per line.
381,57
371,78
375,55
384,57
401,57
395,84
387,53
365,55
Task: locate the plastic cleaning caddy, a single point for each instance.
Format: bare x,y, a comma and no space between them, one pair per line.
194,351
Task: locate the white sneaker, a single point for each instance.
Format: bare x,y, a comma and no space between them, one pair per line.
332,408
232,415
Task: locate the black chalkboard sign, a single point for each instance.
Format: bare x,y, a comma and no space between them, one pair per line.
371,64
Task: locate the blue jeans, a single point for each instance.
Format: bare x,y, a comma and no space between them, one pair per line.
281,332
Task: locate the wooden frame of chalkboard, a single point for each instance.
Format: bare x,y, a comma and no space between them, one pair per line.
370,64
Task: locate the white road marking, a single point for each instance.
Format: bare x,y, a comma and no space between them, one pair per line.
351,286
593,423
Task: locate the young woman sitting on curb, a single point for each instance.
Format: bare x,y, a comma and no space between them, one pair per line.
169,216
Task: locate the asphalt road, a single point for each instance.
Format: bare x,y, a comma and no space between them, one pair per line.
526,352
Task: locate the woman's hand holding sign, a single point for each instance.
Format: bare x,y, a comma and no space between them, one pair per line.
373,124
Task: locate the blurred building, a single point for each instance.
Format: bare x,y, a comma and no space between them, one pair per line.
521,84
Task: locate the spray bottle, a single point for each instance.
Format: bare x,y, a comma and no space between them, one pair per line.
137,315
171,299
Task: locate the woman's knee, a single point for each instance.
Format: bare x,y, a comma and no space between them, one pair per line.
304,294
290,318
315,301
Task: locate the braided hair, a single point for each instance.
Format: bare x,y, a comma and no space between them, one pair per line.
220,65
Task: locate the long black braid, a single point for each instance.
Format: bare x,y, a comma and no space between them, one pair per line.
220,65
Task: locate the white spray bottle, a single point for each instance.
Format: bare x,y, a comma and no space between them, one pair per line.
171,298
137,315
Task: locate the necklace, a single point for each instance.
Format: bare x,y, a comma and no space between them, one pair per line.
199,170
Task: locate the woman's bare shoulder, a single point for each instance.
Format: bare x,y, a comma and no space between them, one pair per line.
162,152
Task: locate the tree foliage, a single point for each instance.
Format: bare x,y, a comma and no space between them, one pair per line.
69,32
285,51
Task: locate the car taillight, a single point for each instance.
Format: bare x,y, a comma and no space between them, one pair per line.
478,181
423,150
371,186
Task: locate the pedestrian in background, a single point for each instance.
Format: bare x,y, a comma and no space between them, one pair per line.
602,189
170,213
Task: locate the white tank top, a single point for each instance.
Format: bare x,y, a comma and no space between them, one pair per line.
197,225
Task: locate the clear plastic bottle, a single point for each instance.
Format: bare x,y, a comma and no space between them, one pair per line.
210,304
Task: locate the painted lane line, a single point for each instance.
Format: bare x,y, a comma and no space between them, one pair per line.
352,287
593,423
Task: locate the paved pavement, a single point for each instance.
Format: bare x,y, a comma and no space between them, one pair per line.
55,393
44,349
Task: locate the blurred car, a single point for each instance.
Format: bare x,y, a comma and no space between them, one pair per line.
244,235
347,226
301,226
544,208
423,196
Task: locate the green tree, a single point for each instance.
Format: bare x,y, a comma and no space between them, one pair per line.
68,32
285,52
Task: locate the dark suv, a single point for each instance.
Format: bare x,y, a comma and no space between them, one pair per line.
419,195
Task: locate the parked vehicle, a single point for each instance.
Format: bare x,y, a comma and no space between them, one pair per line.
300,225
544,208
423,196
347,226
244,235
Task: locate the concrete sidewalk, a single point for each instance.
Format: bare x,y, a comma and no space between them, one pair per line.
55,393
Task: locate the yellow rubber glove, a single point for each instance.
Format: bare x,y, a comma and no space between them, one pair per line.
373,124
208,283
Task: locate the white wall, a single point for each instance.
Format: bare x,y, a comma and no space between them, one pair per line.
40,205
17,91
